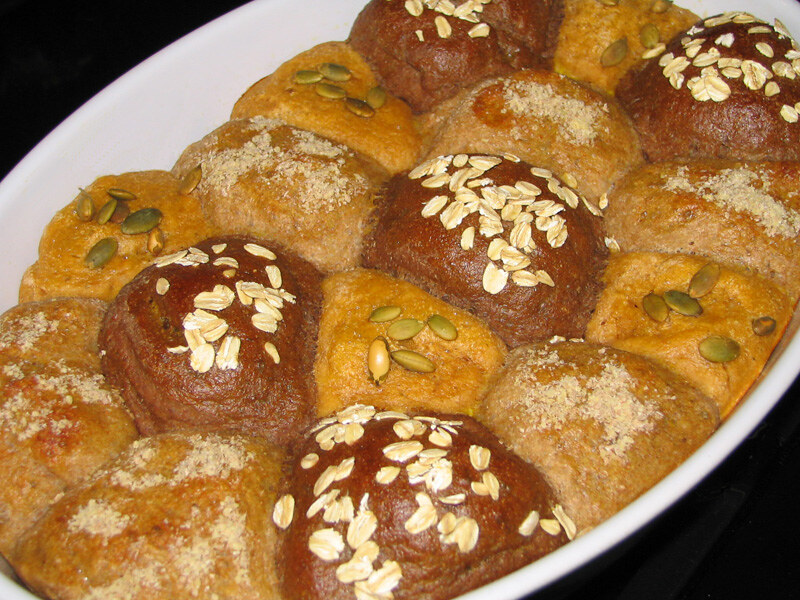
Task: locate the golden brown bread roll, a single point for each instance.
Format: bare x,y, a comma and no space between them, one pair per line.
59,419
738,306
425,52
425,506
737,213
382,129
222,336
504,240
175,516
599,41
349,360
602,425
727,87
547,120
62,268
263,178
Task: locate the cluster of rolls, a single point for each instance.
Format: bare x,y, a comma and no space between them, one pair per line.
432,303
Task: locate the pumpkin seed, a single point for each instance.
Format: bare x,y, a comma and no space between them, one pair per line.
120,213
649,35
335,72
660,6
682,303
655,307
614,53
141,221
155,241
376,97
84,206
120,194
609,2
307,77
191,180
105,212
442,327
378,359
718,349
359,107
382,314
328,90
102,252
764,325
413,361
704,280
405,329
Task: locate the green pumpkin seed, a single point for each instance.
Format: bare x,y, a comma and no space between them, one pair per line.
84,206
359,107
405,329
442,327
382,314
155,241
120,194
413,361
307,77
660,6
328,90
609,2
141,221
655,307
105,212
335,72
376,97
191,180
102,252
378,360
764,326
649,35
614,53
704,280
718,349
682,303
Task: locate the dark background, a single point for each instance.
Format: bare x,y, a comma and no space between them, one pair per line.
737,535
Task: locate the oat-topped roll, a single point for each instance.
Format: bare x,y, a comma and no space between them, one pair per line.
421,506
264,178
546,119
726,88
426,51
491,234
175,516
602,425
218,336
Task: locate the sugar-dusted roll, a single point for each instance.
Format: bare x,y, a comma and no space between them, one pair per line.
491,234
218,336
602,425
384,504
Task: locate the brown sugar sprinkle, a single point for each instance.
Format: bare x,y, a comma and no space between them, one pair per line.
606,398
323,186
25,331
97,517
741,190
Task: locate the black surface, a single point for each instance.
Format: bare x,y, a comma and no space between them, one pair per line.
736,536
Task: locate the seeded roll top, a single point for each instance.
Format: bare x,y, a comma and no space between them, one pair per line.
426,51
726,88
491,234
423,506
221,335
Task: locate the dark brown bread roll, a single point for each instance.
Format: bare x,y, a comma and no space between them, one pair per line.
219,336
726,88
426,51
175,516
496,236
424,507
